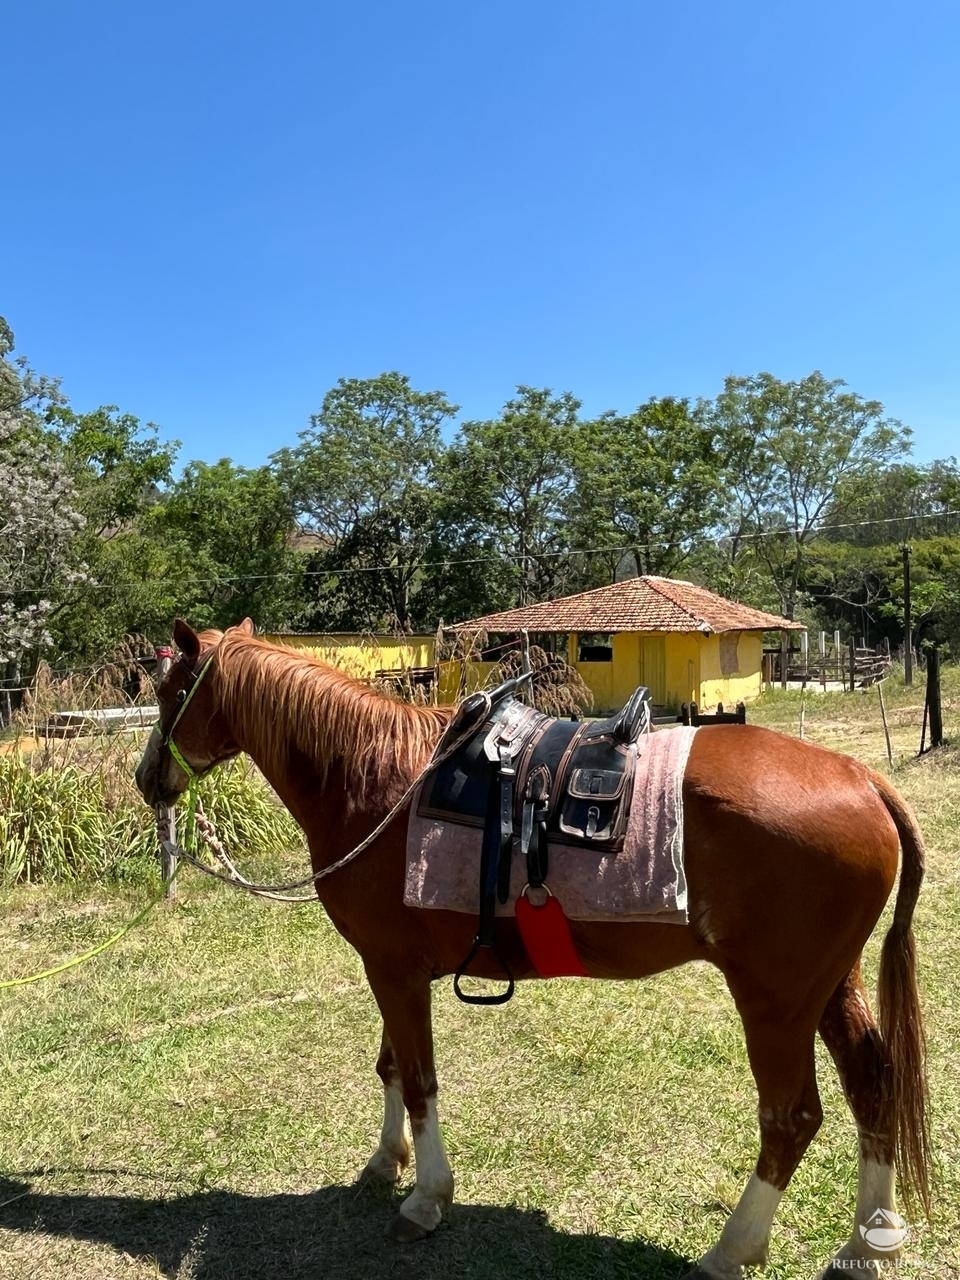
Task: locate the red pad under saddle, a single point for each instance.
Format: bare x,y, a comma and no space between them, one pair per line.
545,931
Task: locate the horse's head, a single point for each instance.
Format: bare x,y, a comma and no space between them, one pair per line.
191,735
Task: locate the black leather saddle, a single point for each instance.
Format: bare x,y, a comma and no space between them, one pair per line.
529,780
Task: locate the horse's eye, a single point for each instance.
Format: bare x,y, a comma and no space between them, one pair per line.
182,696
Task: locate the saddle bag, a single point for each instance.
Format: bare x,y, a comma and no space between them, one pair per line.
596,804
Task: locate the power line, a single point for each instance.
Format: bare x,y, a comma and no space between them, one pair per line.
570,552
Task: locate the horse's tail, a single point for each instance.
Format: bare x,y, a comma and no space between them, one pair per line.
899,1015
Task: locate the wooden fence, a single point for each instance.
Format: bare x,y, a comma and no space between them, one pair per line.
852,665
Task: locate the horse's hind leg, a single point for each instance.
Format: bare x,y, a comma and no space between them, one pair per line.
393,1154
781,1049
850,1033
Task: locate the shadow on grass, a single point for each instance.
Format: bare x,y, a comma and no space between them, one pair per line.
336,1233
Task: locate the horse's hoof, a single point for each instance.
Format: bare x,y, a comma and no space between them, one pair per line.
405,1231
377,1178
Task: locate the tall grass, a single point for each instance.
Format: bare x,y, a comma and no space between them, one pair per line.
69,812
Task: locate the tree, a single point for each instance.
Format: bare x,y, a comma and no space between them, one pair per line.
647,484
859,589
39,516
509,486
119,465
896,503
119,468
222,539
790,448
362,480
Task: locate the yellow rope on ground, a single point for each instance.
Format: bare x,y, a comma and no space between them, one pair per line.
94,951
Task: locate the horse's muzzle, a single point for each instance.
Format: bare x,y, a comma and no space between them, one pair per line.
157,779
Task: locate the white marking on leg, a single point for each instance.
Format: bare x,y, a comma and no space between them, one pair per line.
434,1190
393,1154
875,1192
746,1233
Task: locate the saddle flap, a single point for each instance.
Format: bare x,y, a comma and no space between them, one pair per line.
596,784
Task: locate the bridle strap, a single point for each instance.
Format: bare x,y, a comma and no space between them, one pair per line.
168,741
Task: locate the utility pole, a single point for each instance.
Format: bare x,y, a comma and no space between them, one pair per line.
907,619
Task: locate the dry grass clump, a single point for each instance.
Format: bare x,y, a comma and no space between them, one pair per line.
120,679
558,688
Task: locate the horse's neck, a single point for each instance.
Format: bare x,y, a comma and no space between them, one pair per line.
324,748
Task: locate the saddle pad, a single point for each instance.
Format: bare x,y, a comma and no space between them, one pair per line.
644,881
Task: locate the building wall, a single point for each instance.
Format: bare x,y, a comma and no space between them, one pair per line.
720,683
363,655
677,667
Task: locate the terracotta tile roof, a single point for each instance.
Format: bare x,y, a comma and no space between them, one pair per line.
636,604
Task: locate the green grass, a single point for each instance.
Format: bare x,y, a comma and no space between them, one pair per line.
197,1103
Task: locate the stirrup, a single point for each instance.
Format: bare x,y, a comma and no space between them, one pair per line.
500,997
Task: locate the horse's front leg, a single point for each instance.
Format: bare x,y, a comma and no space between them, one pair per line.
393,1154
404,1001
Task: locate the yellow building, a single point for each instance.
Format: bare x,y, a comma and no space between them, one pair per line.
364,655
684,643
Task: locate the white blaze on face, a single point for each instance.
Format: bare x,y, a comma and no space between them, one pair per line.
434,1189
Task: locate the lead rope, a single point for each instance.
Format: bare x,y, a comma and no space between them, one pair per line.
99,948
280,892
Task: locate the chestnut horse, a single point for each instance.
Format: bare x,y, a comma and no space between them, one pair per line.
791,852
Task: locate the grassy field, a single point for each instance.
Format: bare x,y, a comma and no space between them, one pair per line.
197,1103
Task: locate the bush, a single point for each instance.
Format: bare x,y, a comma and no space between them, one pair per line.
70,812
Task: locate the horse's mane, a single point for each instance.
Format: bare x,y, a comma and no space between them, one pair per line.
282,699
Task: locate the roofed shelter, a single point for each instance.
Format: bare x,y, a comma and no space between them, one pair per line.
685,643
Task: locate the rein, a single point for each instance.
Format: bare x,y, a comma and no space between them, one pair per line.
278,891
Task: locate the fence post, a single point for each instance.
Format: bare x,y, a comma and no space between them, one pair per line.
907,619
853,663
933,698
883,718
166,814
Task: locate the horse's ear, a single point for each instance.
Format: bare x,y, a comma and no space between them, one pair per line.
246,626
186,640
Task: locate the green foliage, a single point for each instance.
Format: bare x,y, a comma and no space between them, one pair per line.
221,539
897,504
650,481
789,449
118,463
859,590
70,814
403,529
363,480
508,487
40,518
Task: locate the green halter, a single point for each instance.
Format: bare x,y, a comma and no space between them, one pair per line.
168,741
192,774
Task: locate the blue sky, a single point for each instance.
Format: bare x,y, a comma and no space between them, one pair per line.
212,211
